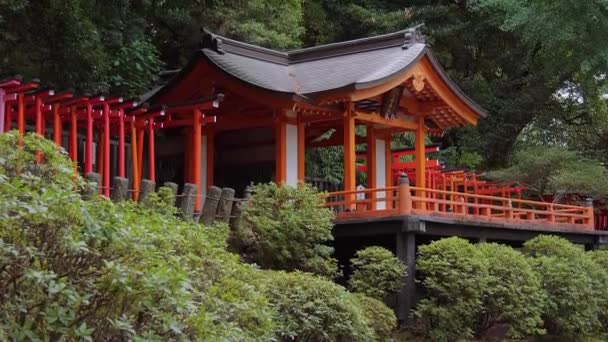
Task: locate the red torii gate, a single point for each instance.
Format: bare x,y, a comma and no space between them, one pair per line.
27,101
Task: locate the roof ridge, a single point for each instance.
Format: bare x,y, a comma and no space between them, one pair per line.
404,38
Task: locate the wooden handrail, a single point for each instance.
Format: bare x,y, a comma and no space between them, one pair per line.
410,199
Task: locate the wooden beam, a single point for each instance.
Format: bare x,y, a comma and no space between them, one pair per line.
375,118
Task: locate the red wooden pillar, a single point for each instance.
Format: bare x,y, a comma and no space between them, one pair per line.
106,154
196,144
38,123
349,155
134,161
301,151
280,138
20,114
74,138
57,125
371,165
88,151
420,160
8,120
188,156
140,149
121,143
151,159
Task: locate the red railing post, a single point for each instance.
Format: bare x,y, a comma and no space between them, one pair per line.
551,213
405,196
589,221
509,210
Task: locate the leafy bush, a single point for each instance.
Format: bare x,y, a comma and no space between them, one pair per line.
455,275
569,277
379,316
376,272
97,270
287,228
513,294
311,308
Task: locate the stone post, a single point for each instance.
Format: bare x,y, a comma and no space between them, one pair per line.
188,200
92,188
120,189
148,187
211,202
224,208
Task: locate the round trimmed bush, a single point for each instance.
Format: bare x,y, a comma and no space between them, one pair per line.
569,277
379,316
376,272
311,308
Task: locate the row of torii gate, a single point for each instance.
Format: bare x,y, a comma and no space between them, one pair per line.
27,106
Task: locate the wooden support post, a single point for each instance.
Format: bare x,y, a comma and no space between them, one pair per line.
100,158
74,139
301,151
349,155
88,151
371,165
57,125
140,151
106,154
420,159
388,169
134,162
20,114
151,152
196,144
8,118
121,143
38,123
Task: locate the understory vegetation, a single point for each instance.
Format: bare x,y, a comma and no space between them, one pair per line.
101,271
552,287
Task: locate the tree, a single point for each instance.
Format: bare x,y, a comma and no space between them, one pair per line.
376,272
547,170
287,228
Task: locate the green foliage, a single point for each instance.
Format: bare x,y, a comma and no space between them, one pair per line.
572,282
552,170
310,308
455,276
379,317
513,294
136,67
287,228
376,272
97,270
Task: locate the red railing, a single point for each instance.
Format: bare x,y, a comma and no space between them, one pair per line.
406,200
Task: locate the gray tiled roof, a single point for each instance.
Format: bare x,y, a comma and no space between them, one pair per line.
358,63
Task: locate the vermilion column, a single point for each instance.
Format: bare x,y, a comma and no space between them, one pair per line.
301,151
196,144
151,159
106,154
420,157
134,161
280,150
88,152
74,138
349,155
371,164
20,114
2,109
57,125
121,143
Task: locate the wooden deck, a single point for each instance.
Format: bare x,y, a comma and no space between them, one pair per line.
405,200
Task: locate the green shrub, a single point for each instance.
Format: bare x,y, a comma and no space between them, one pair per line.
513,294
569,277
287,228
98,270
376,272
454,274
311,308
379,317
